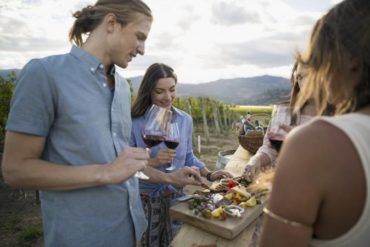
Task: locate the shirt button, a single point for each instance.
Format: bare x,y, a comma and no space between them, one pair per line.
101,66
92,69
104,84
114,133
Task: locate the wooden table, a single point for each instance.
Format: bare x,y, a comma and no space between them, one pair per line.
192,236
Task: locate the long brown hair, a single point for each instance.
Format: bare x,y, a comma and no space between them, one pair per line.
340,36
143,99
90,17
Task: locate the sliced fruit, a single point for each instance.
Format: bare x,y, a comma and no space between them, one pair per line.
217,212
251,202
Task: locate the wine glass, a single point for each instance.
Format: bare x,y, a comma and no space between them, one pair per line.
156,125
172,141
155,129
281,114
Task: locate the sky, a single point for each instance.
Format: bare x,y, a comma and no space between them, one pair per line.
203,40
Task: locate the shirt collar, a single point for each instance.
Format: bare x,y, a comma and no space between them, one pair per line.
176,112
91,61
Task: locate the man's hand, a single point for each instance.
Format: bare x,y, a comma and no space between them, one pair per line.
127,164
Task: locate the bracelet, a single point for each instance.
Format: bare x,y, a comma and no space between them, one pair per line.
282,219
208,176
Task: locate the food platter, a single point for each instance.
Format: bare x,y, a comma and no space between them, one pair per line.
228,220
228,228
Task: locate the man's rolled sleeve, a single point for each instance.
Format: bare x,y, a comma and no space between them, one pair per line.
32,107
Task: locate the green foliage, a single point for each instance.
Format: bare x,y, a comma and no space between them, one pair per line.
30,235
6,92
226,116
261,113
131,90
243,109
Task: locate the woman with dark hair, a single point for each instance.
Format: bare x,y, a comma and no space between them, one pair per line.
321,189
159,87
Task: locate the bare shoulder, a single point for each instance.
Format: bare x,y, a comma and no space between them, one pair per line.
313,159
317,141
319,148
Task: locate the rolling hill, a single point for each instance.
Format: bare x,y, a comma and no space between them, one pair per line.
259,90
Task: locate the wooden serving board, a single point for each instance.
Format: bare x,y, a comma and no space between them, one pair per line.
228,228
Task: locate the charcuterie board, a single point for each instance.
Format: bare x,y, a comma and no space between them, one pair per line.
228,228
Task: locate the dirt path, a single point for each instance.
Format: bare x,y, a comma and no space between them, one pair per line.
20,216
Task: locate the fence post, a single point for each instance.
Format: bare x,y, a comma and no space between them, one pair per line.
215,117
204,116
188,109
199,143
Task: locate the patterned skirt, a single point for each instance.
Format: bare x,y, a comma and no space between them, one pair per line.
161,228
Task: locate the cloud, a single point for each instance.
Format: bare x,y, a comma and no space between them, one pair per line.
17,36
201,39
164,39
305,21
232,13
313,5
189,18
277,50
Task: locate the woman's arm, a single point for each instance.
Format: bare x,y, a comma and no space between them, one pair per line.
178,178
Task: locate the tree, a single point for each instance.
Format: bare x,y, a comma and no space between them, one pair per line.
204,115
6,92
216,117
131,90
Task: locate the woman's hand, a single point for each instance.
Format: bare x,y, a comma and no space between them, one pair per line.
259,162
252,168
250,172
220,174
164,156
286,128
185,176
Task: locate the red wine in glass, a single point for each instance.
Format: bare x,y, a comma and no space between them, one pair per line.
172,141
276,140
171,144
154,130
152,140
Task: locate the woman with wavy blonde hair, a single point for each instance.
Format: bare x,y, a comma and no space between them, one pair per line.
321,188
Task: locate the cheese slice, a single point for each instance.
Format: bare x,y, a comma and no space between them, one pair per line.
241,190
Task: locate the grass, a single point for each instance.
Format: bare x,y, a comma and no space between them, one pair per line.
243,109
30,235
260,113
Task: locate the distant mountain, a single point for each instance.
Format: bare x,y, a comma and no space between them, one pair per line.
259,90
4,73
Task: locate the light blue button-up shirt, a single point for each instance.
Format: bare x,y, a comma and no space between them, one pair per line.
184,151
66,99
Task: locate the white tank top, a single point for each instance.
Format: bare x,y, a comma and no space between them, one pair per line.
357,127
